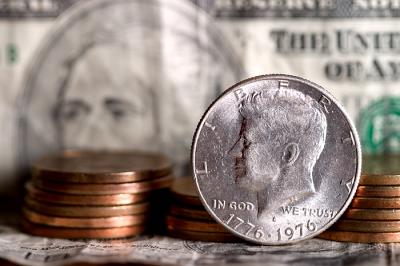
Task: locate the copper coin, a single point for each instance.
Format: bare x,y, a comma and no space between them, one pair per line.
368,203
89,200
381,165
102,166
380,170
359,237
378,191
184,191
372,214
104,189
73,233
380,180
193,225
367,226
86,211
202,236
100,222
194,214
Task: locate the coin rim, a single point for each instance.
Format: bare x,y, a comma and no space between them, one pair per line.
380,180
113,189
185,199
85,211
189,213
88,223
75,233
89,200
362,202
183,224
71,176
392,191
375,226
324,92
362,214
183,181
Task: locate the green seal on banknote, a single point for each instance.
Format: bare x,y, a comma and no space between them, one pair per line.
379,126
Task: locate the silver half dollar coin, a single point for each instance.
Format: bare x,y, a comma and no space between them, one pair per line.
276,159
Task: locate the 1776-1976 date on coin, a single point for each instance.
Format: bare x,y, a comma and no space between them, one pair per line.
276,159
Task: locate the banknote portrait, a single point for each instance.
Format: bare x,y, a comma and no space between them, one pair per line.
121,98
282,135
126,74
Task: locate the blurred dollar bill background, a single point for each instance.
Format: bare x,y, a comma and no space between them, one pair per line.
138,74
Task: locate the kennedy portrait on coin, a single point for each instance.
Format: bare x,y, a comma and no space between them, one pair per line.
281,137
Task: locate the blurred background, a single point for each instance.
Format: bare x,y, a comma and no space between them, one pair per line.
138,74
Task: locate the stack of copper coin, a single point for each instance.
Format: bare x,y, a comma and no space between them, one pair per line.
374,214
187,218
95,194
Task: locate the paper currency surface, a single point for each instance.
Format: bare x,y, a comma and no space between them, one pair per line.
138,74
135,74
23,249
